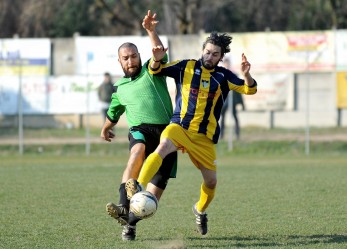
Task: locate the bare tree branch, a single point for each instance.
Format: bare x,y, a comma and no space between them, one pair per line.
114,16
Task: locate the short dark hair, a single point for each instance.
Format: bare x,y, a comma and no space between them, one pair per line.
127,45
221,40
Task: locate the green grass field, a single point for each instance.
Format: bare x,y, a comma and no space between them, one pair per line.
274,197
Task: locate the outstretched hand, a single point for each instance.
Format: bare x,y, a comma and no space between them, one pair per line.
149,23
245,65
159,52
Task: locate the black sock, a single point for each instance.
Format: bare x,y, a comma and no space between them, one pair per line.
133,219
123,199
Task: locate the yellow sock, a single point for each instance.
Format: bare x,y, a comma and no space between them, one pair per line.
149,168
206,196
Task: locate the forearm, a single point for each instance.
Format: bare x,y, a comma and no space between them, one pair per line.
155,40
249,81
108,124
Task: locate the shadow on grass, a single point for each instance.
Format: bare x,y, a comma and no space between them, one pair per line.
271,241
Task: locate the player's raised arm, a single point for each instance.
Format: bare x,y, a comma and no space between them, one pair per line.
149,23
245,68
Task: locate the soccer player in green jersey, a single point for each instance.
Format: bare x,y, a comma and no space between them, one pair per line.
202,88
145,99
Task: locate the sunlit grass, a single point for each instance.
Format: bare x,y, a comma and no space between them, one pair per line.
267,201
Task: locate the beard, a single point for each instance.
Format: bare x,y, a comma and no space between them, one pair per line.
134,72
208,66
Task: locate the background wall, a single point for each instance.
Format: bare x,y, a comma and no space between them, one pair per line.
312,93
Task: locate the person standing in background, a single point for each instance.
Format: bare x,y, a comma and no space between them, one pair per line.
105,91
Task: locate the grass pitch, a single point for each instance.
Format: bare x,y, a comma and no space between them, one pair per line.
282,201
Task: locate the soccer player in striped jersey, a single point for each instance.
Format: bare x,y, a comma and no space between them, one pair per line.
145,99
202,88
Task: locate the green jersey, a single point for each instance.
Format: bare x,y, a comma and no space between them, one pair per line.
144,99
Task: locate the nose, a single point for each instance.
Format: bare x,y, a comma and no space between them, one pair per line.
131,62
209,57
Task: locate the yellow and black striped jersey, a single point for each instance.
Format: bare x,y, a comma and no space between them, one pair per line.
201,94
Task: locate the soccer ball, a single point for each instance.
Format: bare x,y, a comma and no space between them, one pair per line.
143,204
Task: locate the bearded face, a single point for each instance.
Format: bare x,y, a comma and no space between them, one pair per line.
211,55
130,60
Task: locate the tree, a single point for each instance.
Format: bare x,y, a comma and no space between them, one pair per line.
339,13
63,18
8,10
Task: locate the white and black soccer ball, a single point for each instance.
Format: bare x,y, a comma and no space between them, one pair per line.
143,204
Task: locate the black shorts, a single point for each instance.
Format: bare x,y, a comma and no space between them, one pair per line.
149,135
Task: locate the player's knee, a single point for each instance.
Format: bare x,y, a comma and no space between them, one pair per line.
211,183
166,147
138,151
